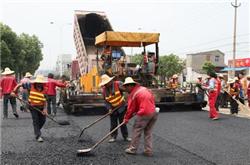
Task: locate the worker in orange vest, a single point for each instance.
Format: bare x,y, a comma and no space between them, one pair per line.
173,84
113,96
37,101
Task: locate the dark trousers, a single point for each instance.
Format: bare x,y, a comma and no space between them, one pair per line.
38,120
221,101
116,116
6,99
25,96
51,99
200,97
233,106
224,99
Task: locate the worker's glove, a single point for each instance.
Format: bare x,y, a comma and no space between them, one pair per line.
45,112
110,110
125,121
234,97
13,94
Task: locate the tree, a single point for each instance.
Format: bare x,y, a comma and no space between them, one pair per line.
20,53
9,47
208,67
169,65
30,52
137,58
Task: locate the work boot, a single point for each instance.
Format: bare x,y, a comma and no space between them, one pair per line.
149,154
127,139
131,150
40,139
111,140
16,115
21,108
215,118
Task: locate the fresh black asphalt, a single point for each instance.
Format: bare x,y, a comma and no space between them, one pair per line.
180,138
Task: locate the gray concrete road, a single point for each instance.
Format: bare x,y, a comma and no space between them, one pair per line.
180,138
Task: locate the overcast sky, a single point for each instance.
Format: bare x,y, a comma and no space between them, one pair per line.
185,26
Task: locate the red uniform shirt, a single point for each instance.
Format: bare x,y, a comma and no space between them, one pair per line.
51,86
140,102
8,83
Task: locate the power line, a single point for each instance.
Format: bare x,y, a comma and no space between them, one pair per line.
209,42
214,47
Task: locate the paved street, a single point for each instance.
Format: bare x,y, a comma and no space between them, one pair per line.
180,138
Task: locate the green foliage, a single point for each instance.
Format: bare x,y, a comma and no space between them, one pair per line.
208,67
137,58
20,53
170,65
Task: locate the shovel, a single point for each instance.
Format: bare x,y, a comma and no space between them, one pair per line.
88,150
34,108
97,120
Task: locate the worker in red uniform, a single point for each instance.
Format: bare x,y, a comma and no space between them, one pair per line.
113,96
8,83
51,93
212,95
217,102
141,103
37,101
248,89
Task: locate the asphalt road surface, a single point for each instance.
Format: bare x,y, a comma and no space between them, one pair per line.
180,138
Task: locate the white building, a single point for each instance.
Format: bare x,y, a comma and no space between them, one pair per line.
62,63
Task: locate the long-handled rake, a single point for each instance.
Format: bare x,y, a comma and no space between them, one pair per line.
97,120
34,108
244,107
88,150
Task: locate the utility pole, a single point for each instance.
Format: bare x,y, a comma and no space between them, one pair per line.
235,5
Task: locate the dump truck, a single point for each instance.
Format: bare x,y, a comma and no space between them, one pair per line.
100,50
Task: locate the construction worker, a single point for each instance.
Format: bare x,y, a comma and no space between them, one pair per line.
234,94
37,102
221,99
107,58
25,86
199,90
62,91
113,96
8,83
212,95
173,84
217,102
51,93
141,103
248,89
243,83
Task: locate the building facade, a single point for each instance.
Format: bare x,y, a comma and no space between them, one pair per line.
62,64
195,62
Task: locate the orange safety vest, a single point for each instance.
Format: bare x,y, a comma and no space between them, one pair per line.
36,97
234,91
173,84
115,99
